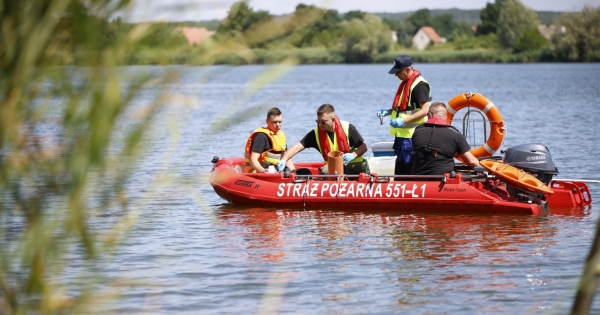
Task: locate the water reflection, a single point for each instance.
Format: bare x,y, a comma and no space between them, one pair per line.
261,233
463,238
418,255
572,211
269,233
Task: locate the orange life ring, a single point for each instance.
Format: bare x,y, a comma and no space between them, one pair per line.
515,176
492,113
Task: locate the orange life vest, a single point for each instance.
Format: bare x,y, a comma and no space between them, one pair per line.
272,156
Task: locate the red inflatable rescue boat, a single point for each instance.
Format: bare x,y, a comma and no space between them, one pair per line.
520,182
460,191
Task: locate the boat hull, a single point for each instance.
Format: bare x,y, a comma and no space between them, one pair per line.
457,194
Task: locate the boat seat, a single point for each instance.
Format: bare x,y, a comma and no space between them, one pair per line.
303,171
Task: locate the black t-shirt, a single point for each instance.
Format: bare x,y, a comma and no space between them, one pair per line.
446,141
310,140
419,95
261,143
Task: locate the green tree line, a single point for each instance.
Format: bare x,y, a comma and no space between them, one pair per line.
507,31
469,16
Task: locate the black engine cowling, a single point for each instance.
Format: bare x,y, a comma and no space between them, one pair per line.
533,158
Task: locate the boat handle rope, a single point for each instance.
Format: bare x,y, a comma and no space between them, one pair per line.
304,201
496,186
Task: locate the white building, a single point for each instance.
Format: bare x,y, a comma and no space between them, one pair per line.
426,35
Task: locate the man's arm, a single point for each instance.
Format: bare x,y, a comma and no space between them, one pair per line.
355,139
289,153
260,143
419,114
254,162
421,94
469,159
462,146
362,149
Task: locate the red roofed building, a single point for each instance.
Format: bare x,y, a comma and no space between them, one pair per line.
195,35
425,36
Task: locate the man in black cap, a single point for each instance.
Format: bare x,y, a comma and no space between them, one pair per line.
409,109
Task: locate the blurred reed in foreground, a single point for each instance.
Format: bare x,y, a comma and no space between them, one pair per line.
69,139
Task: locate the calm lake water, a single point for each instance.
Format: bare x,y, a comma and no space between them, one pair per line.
195,254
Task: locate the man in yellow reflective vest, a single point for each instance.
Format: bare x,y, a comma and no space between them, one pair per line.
332,134
409,109
266,144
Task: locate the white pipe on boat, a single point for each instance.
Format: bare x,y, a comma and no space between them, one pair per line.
578,180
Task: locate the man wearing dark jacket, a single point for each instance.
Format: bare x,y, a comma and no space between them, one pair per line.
436,142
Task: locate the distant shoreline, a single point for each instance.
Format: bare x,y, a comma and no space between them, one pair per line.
324,56
470,16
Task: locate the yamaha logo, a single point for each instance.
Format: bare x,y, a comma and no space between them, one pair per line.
535,157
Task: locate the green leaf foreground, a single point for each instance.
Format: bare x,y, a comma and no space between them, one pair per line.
70,140
71,137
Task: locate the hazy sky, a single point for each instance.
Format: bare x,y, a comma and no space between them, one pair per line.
196,10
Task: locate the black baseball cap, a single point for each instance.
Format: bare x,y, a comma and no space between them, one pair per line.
400,63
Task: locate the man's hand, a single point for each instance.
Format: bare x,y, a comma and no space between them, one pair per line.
281,165
348,157
383,113
397,123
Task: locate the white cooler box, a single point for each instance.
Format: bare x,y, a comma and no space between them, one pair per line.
383,149
382,165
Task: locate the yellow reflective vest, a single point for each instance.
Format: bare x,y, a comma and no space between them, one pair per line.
408,129
334,144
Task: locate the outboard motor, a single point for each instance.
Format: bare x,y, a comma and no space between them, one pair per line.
533,158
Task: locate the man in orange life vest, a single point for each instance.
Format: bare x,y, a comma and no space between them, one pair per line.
332,134
408,110
436,142
266,144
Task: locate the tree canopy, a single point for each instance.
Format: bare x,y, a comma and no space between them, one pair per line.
513,21
363,38
489,18
357,35
239,19
578,38
419,18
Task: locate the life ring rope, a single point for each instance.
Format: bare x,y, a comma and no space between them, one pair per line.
492,113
